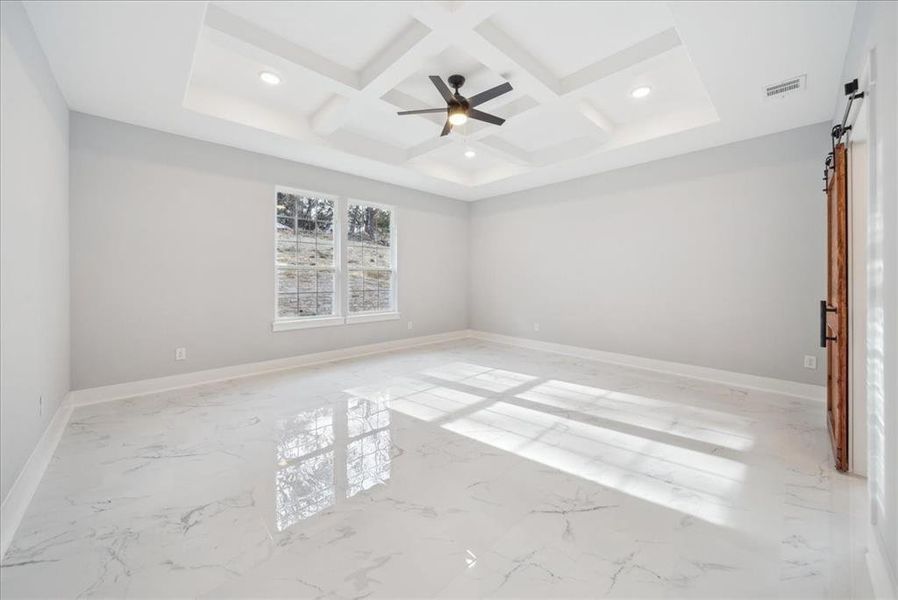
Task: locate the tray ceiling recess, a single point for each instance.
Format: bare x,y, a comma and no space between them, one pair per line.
593,85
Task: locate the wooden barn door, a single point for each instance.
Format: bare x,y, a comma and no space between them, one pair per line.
834,310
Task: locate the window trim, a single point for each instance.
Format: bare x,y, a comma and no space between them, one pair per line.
284,323
371,317
305,323
341,315
358,317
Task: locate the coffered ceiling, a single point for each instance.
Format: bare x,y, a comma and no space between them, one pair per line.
346,68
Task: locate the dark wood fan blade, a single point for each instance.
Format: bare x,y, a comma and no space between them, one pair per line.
482,116
425,111
446,128
489,94
444,90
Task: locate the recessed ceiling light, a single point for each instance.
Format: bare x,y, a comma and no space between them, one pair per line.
641,92
469,153
270,78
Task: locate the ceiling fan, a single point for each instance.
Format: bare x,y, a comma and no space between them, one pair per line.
458,108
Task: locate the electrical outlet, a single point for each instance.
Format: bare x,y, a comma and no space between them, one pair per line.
536,326
810,362
180,353
410,325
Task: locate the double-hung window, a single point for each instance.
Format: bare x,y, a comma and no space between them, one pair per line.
369,251
335,261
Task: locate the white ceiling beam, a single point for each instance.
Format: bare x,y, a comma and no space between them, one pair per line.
402,101
240,29
626,58
500,52
595,116
451,19
506,150
400,58
330,116
468,27
398,61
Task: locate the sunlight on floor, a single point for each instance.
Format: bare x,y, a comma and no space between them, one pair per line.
694,423
586,431
685,480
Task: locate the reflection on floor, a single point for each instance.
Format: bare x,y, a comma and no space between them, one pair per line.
457,470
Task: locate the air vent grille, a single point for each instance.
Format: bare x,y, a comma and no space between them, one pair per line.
785,88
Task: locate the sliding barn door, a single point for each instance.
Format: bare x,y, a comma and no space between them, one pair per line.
834,310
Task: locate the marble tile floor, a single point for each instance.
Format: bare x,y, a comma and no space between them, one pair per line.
457,470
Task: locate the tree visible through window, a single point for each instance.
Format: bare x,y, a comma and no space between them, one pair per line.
369,258
305,256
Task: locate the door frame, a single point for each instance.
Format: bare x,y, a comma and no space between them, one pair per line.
859,197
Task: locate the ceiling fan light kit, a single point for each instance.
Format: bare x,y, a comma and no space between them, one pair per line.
458,108
457,115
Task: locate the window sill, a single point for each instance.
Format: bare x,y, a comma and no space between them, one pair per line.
306,323
312,322
372,317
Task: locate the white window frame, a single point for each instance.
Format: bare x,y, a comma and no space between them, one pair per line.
370,316
341,314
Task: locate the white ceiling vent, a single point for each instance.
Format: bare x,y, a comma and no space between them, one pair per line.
786,88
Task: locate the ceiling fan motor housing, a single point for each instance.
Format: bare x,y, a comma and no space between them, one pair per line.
456,81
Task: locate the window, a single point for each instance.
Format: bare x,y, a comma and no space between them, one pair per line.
306,267
335,261
369,259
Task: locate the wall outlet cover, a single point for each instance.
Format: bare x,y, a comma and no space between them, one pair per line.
180,353
810,362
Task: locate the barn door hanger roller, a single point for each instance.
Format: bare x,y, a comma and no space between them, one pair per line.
839,130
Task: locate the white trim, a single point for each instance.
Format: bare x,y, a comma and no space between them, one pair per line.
371,317
884,587
305,323
858,201
741,380
341,299
161,384
22,491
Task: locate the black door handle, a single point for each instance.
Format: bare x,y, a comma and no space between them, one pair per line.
824,308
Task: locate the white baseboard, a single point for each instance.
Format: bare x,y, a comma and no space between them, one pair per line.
881,577
172,382
730,378
22,490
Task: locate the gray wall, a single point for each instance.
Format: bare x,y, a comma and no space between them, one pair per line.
714,258
172,246
34,243
876,29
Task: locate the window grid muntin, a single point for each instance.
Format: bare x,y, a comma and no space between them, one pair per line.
289,216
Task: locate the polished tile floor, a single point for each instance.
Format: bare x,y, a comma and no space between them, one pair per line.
456,470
